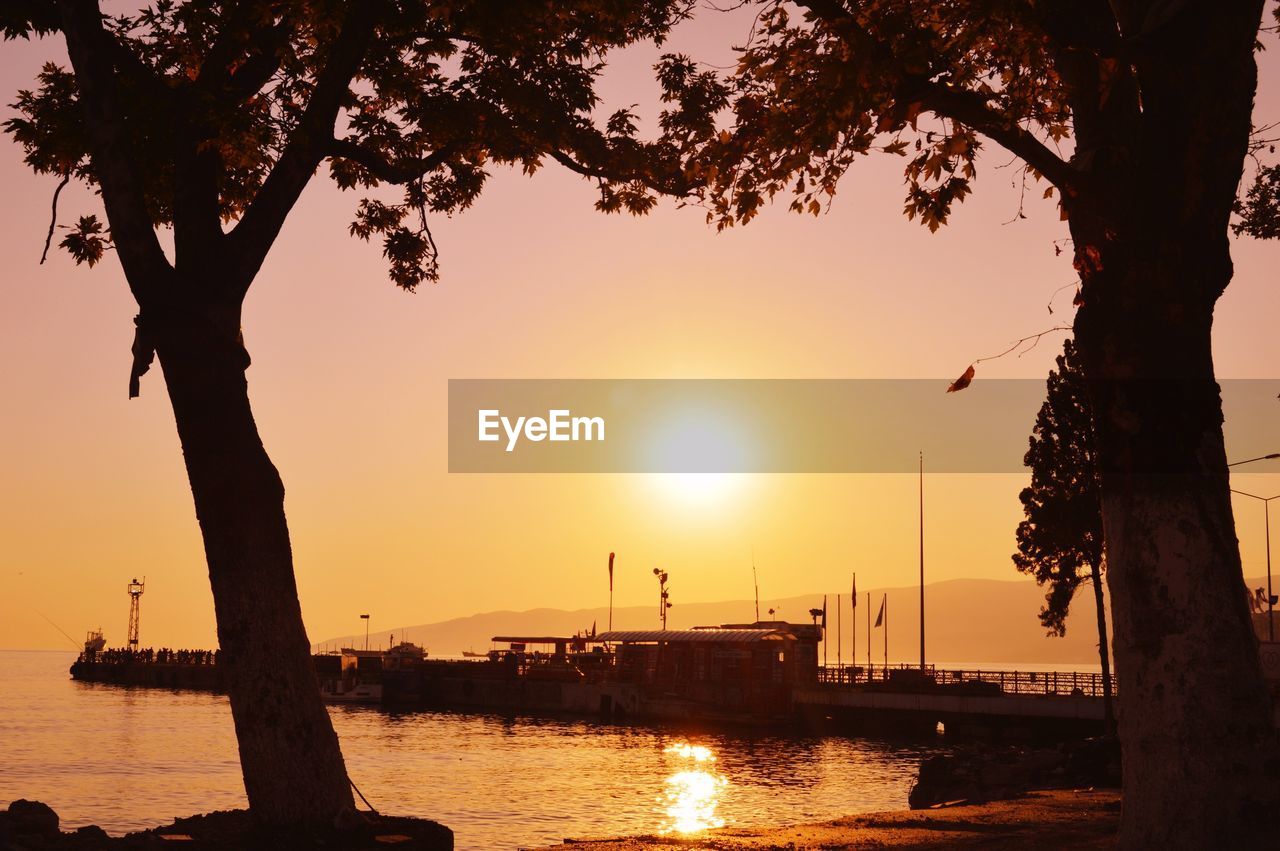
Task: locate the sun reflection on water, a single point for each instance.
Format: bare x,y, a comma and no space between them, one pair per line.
692,793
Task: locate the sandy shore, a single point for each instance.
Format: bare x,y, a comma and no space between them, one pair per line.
1056,819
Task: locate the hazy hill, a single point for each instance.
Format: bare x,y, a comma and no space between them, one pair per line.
967,620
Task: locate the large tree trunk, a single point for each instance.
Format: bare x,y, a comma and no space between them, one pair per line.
293,767
1201,762
1200,754
1163,151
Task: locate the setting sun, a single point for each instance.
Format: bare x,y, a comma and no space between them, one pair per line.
701,490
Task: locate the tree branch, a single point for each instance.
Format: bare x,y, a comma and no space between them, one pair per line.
259,64
575,166
399,172
91,49
306,148
966,107
53,217
1033,339
973,110
677,187
215,69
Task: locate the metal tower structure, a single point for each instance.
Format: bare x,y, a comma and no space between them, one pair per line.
664,595
135,609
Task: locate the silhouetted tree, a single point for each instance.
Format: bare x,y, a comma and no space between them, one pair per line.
1259,208
1060,541
1156,98
207,120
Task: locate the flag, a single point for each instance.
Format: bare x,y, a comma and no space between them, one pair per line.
880,617
855,591
610,572
824,611
593,629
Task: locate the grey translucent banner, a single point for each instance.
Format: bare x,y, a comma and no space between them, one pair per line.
774,425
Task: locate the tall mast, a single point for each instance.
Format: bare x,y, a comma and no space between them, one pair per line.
921,562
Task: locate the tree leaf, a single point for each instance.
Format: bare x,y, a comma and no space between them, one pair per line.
962,382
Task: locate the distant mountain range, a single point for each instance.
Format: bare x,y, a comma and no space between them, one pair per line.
966,620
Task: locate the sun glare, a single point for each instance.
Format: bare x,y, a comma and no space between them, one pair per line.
701,489
693,794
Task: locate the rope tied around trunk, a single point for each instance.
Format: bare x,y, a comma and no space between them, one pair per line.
144,348
144,353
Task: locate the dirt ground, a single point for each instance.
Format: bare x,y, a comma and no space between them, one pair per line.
1068,819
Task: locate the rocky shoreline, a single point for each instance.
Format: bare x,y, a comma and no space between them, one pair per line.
33,826
977,774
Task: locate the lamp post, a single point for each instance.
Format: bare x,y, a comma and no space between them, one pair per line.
1266,516
664,595
365,618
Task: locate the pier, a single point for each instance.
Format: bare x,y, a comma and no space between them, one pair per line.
754,674
963,701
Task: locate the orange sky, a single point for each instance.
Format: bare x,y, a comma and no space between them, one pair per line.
349,385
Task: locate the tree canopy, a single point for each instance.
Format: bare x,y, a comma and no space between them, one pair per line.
922,80
205,114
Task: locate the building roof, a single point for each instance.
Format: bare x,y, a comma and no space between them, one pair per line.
538,639
681,636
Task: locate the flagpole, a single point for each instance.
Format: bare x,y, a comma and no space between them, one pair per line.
839,638
868,636
853,626
755,580
610,592
886,635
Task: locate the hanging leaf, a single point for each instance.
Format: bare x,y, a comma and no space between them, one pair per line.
962,382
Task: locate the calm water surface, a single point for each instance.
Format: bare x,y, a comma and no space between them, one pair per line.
132,758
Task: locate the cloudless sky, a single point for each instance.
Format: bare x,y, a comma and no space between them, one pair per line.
349,387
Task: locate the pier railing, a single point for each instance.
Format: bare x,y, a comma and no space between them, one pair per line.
910,677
